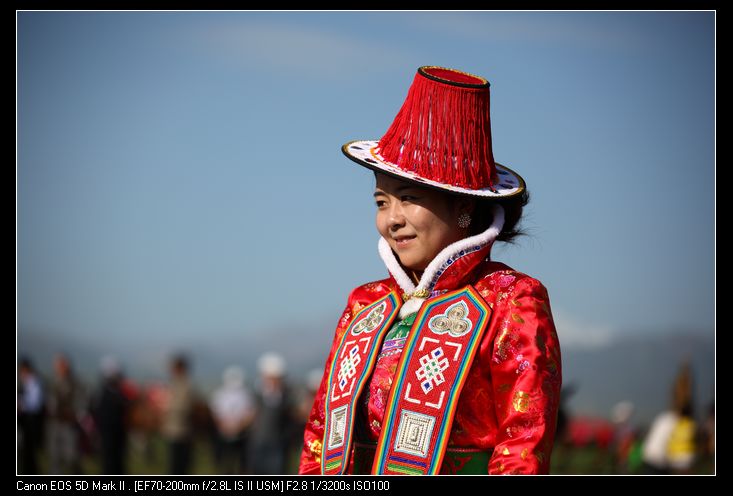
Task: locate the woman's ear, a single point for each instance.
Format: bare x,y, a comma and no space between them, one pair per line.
465,205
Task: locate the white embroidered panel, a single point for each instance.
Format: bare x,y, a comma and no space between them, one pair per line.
338,427
414,433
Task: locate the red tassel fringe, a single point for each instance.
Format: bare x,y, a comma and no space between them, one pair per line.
443,132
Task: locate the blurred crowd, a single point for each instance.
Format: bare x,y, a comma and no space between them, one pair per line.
679,439
256,427
67,427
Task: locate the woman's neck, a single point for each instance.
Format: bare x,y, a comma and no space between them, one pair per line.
416,275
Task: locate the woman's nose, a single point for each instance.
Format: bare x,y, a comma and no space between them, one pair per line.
396,217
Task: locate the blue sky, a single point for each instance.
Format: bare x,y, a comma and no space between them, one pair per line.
179,175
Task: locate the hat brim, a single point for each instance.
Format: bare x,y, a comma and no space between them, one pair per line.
365,153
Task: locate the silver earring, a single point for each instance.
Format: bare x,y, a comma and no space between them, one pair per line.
464,220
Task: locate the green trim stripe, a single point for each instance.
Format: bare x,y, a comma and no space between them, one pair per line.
402,469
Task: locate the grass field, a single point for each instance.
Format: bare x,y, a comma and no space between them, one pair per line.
153,460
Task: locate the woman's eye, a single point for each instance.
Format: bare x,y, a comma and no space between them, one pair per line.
408,198
379,203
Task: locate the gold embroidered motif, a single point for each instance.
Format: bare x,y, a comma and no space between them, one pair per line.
453,321
520,401
516,318
502,335
525,453
501,344
507,345
420,293
316,448
505,451
371,321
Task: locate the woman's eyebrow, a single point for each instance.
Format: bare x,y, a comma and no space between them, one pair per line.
399,189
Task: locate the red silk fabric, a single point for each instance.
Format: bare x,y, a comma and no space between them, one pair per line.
510,400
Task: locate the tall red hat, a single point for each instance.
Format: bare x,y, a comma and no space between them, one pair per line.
441,137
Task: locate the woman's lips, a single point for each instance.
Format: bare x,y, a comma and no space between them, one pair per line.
403,241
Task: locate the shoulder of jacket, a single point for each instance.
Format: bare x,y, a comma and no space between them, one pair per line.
362,296
371,291
499,276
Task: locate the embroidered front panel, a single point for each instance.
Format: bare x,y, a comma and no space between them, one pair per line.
350,368
453,321
431,369
338,428
428,381
413,434
372,320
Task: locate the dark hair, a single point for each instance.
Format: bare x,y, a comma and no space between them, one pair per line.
513,207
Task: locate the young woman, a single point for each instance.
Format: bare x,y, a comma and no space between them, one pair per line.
452,363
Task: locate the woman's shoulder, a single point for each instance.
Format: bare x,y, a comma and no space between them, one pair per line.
499,278
372,291
363,295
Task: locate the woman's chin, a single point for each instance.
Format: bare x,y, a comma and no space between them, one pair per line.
411,264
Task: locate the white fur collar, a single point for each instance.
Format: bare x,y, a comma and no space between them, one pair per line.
435,269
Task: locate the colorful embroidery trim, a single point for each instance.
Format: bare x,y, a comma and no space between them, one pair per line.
351,368
428,381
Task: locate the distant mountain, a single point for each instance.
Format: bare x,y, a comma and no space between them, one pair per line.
304,349
635,368
640,369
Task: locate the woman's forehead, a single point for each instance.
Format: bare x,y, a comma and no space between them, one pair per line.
390,184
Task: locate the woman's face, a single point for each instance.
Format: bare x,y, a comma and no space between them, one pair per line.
417,222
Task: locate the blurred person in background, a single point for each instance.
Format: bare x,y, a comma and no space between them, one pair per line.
452,363
272,426
66,403
307,394
682,444
669,446
624,435
147,406
110,409
178,416
31,415
232,410
305,401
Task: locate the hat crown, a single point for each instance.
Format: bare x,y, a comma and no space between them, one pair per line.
443,130
452,77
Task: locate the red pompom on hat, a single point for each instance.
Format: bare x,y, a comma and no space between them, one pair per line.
441,137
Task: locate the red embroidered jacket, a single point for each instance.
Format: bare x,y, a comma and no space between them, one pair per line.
510,400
